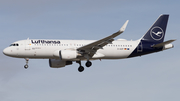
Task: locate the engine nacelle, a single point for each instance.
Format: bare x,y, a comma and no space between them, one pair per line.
168,46
66,54
57,63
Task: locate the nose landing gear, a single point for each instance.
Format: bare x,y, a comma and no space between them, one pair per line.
26,65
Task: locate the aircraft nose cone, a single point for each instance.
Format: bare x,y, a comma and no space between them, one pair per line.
5,51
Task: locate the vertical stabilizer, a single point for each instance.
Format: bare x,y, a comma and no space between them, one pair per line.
157,31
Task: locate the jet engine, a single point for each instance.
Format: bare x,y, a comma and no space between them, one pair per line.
57,63
66,54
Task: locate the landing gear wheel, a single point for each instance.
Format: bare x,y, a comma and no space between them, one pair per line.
25,66
81,68
88,63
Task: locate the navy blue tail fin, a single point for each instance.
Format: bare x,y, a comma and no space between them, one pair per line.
157,31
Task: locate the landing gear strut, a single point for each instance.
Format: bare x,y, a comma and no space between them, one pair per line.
81,68
88,63
26,65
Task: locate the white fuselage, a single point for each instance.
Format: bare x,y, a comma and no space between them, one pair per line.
34,48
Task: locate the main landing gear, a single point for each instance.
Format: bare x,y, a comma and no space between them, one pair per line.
26,65
88,63
81,68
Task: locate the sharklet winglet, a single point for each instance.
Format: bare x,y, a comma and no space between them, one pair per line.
124,26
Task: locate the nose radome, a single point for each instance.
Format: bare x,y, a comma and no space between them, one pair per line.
5,51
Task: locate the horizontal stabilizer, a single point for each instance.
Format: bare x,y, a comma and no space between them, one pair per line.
162,44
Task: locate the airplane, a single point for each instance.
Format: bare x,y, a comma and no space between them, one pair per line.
64,52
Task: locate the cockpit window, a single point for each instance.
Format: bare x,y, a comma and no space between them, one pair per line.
14,44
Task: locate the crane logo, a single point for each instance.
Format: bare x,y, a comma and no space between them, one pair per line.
157,33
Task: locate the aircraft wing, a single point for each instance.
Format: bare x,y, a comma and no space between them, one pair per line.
99,44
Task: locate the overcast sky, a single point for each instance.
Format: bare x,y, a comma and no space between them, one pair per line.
154,77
